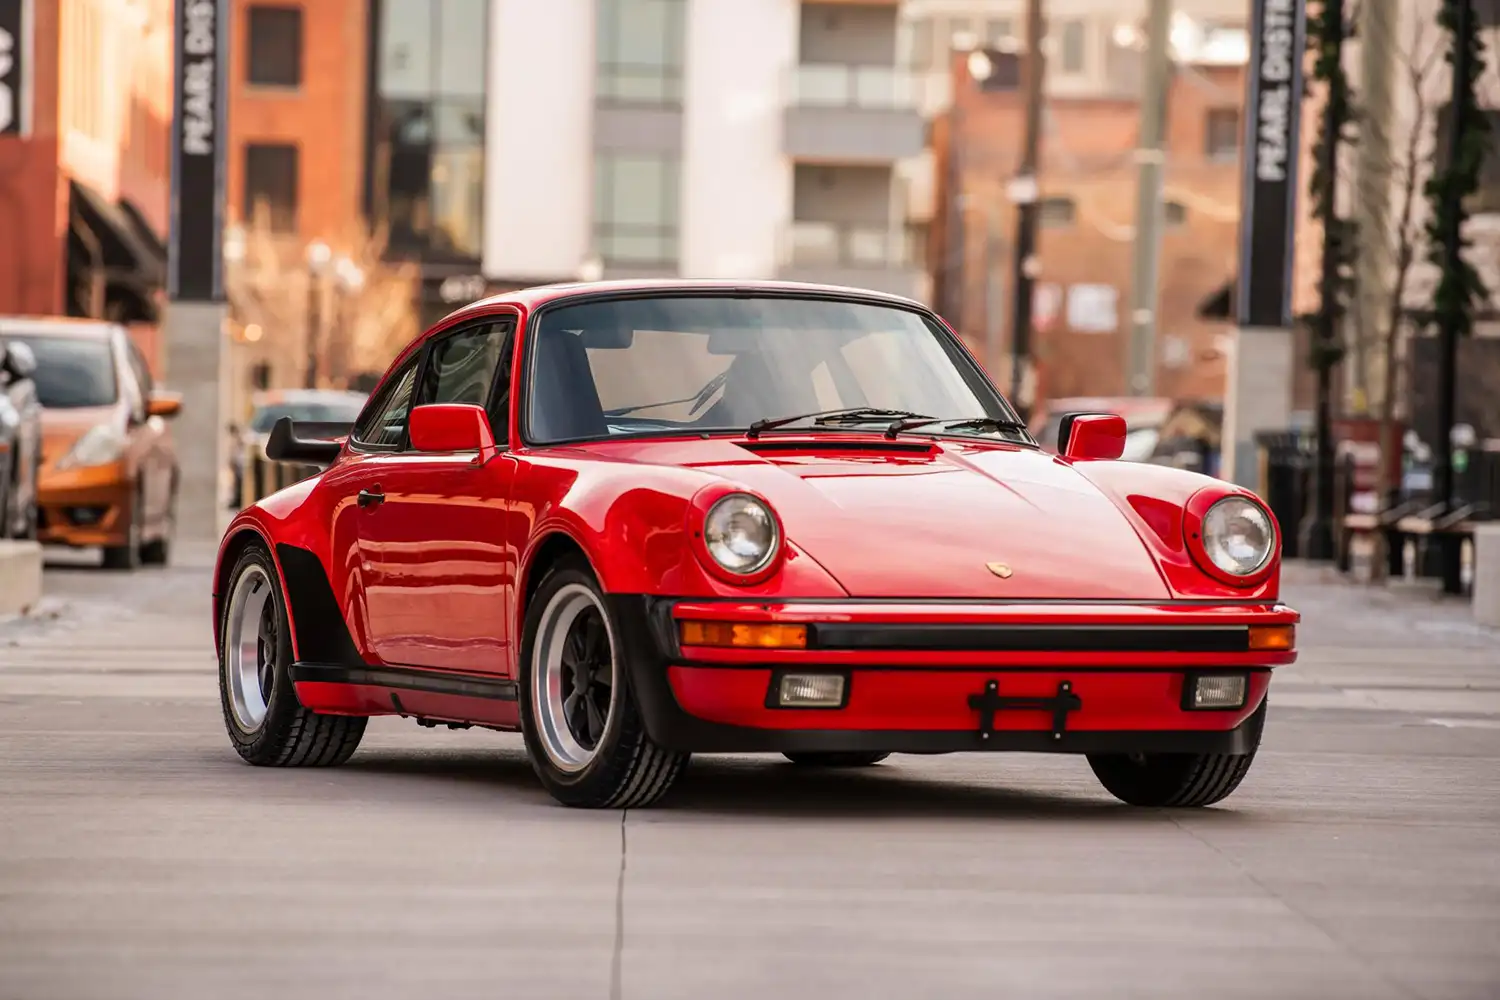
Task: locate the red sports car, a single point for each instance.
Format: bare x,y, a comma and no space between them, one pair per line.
636,521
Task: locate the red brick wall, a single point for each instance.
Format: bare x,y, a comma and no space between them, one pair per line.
1087,154
324,118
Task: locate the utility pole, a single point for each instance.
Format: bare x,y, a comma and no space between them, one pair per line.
1150,158
1317,529
1024,191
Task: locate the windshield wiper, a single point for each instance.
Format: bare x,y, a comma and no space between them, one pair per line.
850,414
951,423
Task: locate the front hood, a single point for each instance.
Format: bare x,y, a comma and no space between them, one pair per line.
889,524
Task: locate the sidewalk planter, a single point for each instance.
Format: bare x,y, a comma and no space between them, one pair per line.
1486,588
20,576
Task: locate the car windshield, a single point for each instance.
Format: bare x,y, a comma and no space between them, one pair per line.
675,364
333,411
72,372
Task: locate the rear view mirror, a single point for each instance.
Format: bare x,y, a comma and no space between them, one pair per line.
451,427
164,404
1091,437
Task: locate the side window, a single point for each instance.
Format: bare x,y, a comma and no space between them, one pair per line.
462,368
383,423
133,389
141,368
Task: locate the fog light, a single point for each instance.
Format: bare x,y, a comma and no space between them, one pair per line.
810,691
86,515
1218,690
744,635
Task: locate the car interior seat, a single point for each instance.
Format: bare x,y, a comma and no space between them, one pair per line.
565,401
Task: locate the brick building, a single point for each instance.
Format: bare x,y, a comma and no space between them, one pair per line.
84,174
1088,190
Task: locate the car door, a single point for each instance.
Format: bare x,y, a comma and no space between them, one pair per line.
156,454
439,573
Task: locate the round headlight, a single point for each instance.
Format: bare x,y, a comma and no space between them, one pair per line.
740,534
1238,536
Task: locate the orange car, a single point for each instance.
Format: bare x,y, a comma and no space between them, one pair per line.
109,467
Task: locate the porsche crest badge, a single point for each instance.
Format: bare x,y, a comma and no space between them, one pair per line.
999,569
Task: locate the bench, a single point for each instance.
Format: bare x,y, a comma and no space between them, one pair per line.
1450,528
1381,522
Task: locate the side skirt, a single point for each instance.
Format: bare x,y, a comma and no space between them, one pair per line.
431,697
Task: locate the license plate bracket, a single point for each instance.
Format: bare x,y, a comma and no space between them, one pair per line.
990,702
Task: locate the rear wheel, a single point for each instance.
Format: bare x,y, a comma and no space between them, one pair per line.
267,724
1175,780
584,733
836,759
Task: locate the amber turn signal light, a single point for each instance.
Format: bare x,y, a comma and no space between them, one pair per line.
1273,638
744,636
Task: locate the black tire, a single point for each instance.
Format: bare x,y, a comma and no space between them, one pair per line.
1175,780
158,551
289,735
128,556
627,770
848,758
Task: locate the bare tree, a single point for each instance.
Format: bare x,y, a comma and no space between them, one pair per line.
322,324
1419,58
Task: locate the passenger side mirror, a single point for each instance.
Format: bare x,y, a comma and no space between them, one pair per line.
1091,437
444,427
164,404
18,359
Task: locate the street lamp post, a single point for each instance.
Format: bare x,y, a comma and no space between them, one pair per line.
349,278
318,256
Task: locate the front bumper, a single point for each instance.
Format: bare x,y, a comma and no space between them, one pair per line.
1071,678
85,507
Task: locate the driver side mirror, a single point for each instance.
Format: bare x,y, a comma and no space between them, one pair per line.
18,359
164,404
448,427
1091,437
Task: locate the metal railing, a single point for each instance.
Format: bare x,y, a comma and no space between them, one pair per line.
872,88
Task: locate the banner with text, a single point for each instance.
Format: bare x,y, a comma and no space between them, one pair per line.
1268,197
16,29
198,151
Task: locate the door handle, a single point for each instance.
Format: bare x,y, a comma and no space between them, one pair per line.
369,498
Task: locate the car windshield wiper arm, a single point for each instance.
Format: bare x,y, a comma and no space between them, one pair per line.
953,423
848,414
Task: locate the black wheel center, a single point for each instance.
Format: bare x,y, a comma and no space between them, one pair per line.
265,651
587,679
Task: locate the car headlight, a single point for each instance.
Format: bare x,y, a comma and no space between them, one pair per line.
102,444
741,534
1238,536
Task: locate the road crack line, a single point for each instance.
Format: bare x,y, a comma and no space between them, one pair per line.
617,959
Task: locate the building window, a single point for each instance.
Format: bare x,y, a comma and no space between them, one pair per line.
635,209
429,126
1222,133
275,46
1174,213
997,31
271,186
1072,49
1056,212
639,51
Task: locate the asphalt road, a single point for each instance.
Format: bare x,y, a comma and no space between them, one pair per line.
140,859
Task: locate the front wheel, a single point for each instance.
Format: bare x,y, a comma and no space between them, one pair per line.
583,731
835,758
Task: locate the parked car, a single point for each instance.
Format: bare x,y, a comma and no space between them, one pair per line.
640,520
247,461
109,471
20,442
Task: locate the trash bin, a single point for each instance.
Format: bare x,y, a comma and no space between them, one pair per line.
1285,461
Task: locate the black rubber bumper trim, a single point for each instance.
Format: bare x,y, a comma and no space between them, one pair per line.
1033,638
407,679
643,637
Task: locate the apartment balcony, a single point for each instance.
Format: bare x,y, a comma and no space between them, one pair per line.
873,257
853,114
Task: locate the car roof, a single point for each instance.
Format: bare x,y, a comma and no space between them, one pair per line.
538,295
59,326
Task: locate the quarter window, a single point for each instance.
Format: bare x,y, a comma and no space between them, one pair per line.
462,368
383,425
